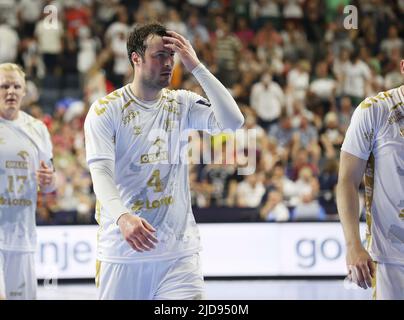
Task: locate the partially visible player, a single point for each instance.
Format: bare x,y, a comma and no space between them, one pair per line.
374,147
149,244
25,165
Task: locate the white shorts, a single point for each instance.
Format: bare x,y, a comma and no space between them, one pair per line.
389,282
176,279
17,275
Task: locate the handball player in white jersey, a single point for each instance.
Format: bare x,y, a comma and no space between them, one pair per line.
374,148
25,165
148,241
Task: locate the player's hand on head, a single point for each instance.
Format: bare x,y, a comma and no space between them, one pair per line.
361,268
183,48
137,232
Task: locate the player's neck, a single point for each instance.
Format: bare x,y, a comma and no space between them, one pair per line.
144,93
9,116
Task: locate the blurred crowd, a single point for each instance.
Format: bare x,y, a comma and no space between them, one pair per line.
295,71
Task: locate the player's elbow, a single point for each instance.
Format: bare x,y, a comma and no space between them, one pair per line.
237,123
240,122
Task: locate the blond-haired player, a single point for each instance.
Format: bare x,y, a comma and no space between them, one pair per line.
374,147
25,165
148,242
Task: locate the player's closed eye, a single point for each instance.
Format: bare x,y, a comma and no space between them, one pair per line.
6,87
165,54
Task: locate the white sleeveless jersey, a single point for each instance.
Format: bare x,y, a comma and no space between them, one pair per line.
148,145
376,134
23,143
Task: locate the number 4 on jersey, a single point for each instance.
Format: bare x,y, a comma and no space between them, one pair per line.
155,181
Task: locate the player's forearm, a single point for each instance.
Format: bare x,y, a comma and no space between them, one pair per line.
225,109
348,209
102,174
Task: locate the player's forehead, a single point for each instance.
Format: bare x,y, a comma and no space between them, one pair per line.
11,76
155,43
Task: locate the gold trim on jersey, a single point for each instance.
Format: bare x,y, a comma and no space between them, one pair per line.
127,104
141,104
374,281
97,262
99,111
106,100
97,273
369,188
369,102
397,105
98,219
110,97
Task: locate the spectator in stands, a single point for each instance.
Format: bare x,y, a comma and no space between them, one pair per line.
250,191
323,86
301,159
267,99
50,42
294,41
29,12
345,113
328,183
244,32
393,41
280,181
228,48
331,134
175,23
306,205
355,78
274,208
306,137
297,82
9,42
195,29
282,132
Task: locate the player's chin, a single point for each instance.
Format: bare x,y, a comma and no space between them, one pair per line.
164,82
11,108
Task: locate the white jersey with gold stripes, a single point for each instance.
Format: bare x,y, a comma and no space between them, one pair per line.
148,143
23,143
376,134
